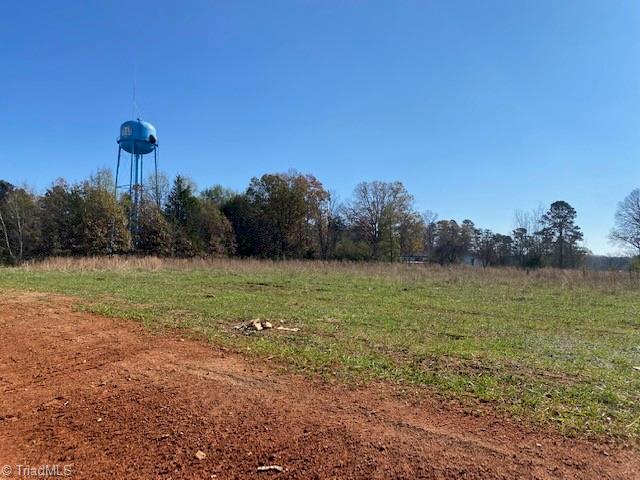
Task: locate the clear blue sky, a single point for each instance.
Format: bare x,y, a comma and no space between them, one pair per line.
479,107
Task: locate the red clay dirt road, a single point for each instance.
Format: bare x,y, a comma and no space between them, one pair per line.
114,401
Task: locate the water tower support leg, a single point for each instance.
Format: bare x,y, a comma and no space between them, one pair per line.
131,179
155,161
131,194
115,189
137,193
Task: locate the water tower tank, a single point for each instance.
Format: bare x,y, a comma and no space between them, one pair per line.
138,137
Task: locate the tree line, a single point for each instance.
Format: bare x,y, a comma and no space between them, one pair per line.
279,216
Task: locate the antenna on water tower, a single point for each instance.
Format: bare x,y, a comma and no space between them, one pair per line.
134,105
138,138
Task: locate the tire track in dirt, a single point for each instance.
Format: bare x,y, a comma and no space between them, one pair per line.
115,401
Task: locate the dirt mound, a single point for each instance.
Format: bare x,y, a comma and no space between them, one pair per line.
113,401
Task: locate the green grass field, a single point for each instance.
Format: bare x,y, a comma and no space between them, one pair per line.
549,346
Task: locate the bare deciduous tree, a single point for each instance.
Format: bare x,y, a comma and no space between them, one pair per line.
530,220
160,194
627,222
18,224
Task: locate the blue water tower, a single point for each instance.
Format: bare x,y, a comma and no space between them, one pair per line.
137,138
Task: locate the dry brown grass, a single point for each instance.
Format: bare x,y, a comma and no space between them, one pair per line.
394,272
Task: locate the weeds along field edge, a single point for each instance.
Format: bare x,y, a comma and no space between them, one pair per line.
400,272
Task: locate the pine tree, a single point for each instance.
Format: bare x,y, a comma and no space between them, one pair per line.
61,223
182,211
561,234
